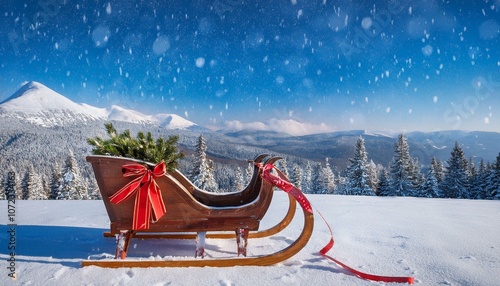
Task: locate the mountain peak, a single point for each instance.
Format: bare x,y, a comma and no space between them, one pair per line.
34,84
34,98
172,121
29,86
36,103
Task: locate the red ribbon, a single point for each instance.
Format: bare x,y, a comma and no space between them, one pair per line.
148,201
283,183
388,279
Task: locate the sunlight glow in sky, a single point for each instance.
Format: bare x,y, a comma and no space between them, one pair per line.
311,66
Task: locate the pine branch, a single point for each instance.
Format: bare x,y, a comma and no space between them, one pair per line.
143,147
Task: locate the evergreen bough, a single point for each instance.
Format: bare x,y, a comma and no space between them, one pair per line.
143,147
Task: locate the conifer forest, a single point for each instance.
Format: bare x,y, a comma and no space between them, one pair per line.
49,164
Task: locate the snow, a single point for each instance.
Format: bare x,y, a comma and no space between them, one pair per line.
172,121
366,23
99,112
42,106
121,114
200,62
161,45
438,241
101,35
34,97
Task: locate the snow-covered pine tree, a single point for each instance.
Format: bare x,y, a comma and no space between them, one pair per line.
474,181
238,183
248,173
72,186
416,177
31,185
341,185
93,189
493,189
484,175
11,185
373,175
307,179
26,185
318,180
401,183
329,178
202,174
438,169
211,185
283,166
456,175
358,179
55,182
383,183
296,178
46,187
430,187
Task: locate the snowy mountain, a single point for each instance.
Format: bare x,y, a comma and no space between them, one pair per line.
339,146
171,121
37,104
40,105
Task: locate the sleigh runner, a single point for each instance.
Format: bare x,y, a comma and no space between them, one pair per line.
190,213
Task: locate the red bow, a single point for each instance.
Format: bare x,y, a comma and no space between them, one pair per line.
148,202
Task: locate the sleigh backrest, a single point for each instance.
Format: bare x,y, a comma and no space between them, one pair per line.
235,198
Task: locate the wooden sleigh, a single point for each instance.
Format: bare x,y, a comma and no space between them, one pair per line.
192,213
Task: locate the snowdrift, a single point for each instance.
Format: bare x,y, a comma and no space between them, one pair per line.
438,241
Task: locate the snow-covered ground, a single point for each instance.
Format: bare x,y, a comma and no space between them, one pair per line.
438,241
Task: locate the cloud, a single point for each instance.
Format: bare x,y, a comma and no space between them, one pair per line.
290,126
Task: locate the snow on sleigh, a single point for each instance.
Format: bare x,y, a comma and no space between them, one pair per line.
159,204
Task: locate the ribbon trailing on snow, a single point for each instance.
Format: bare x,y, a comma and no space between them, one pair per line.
282,182
148,201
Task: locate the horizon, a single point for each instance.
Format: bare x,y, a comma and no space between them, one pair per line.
301,68
252,126
293,127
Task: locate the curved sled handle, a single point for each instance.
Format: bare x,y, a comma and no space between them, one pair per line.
259,158
272,160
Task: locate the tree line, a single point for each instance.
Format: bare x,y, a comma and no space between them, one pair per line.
66,183
455,178
458,178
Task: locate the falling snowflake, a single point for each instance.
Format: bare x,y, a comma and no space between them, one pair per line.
161,45
427,50
366,23
200,62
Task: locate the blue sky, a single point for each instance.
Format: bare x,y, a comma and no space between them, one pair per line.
307,66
